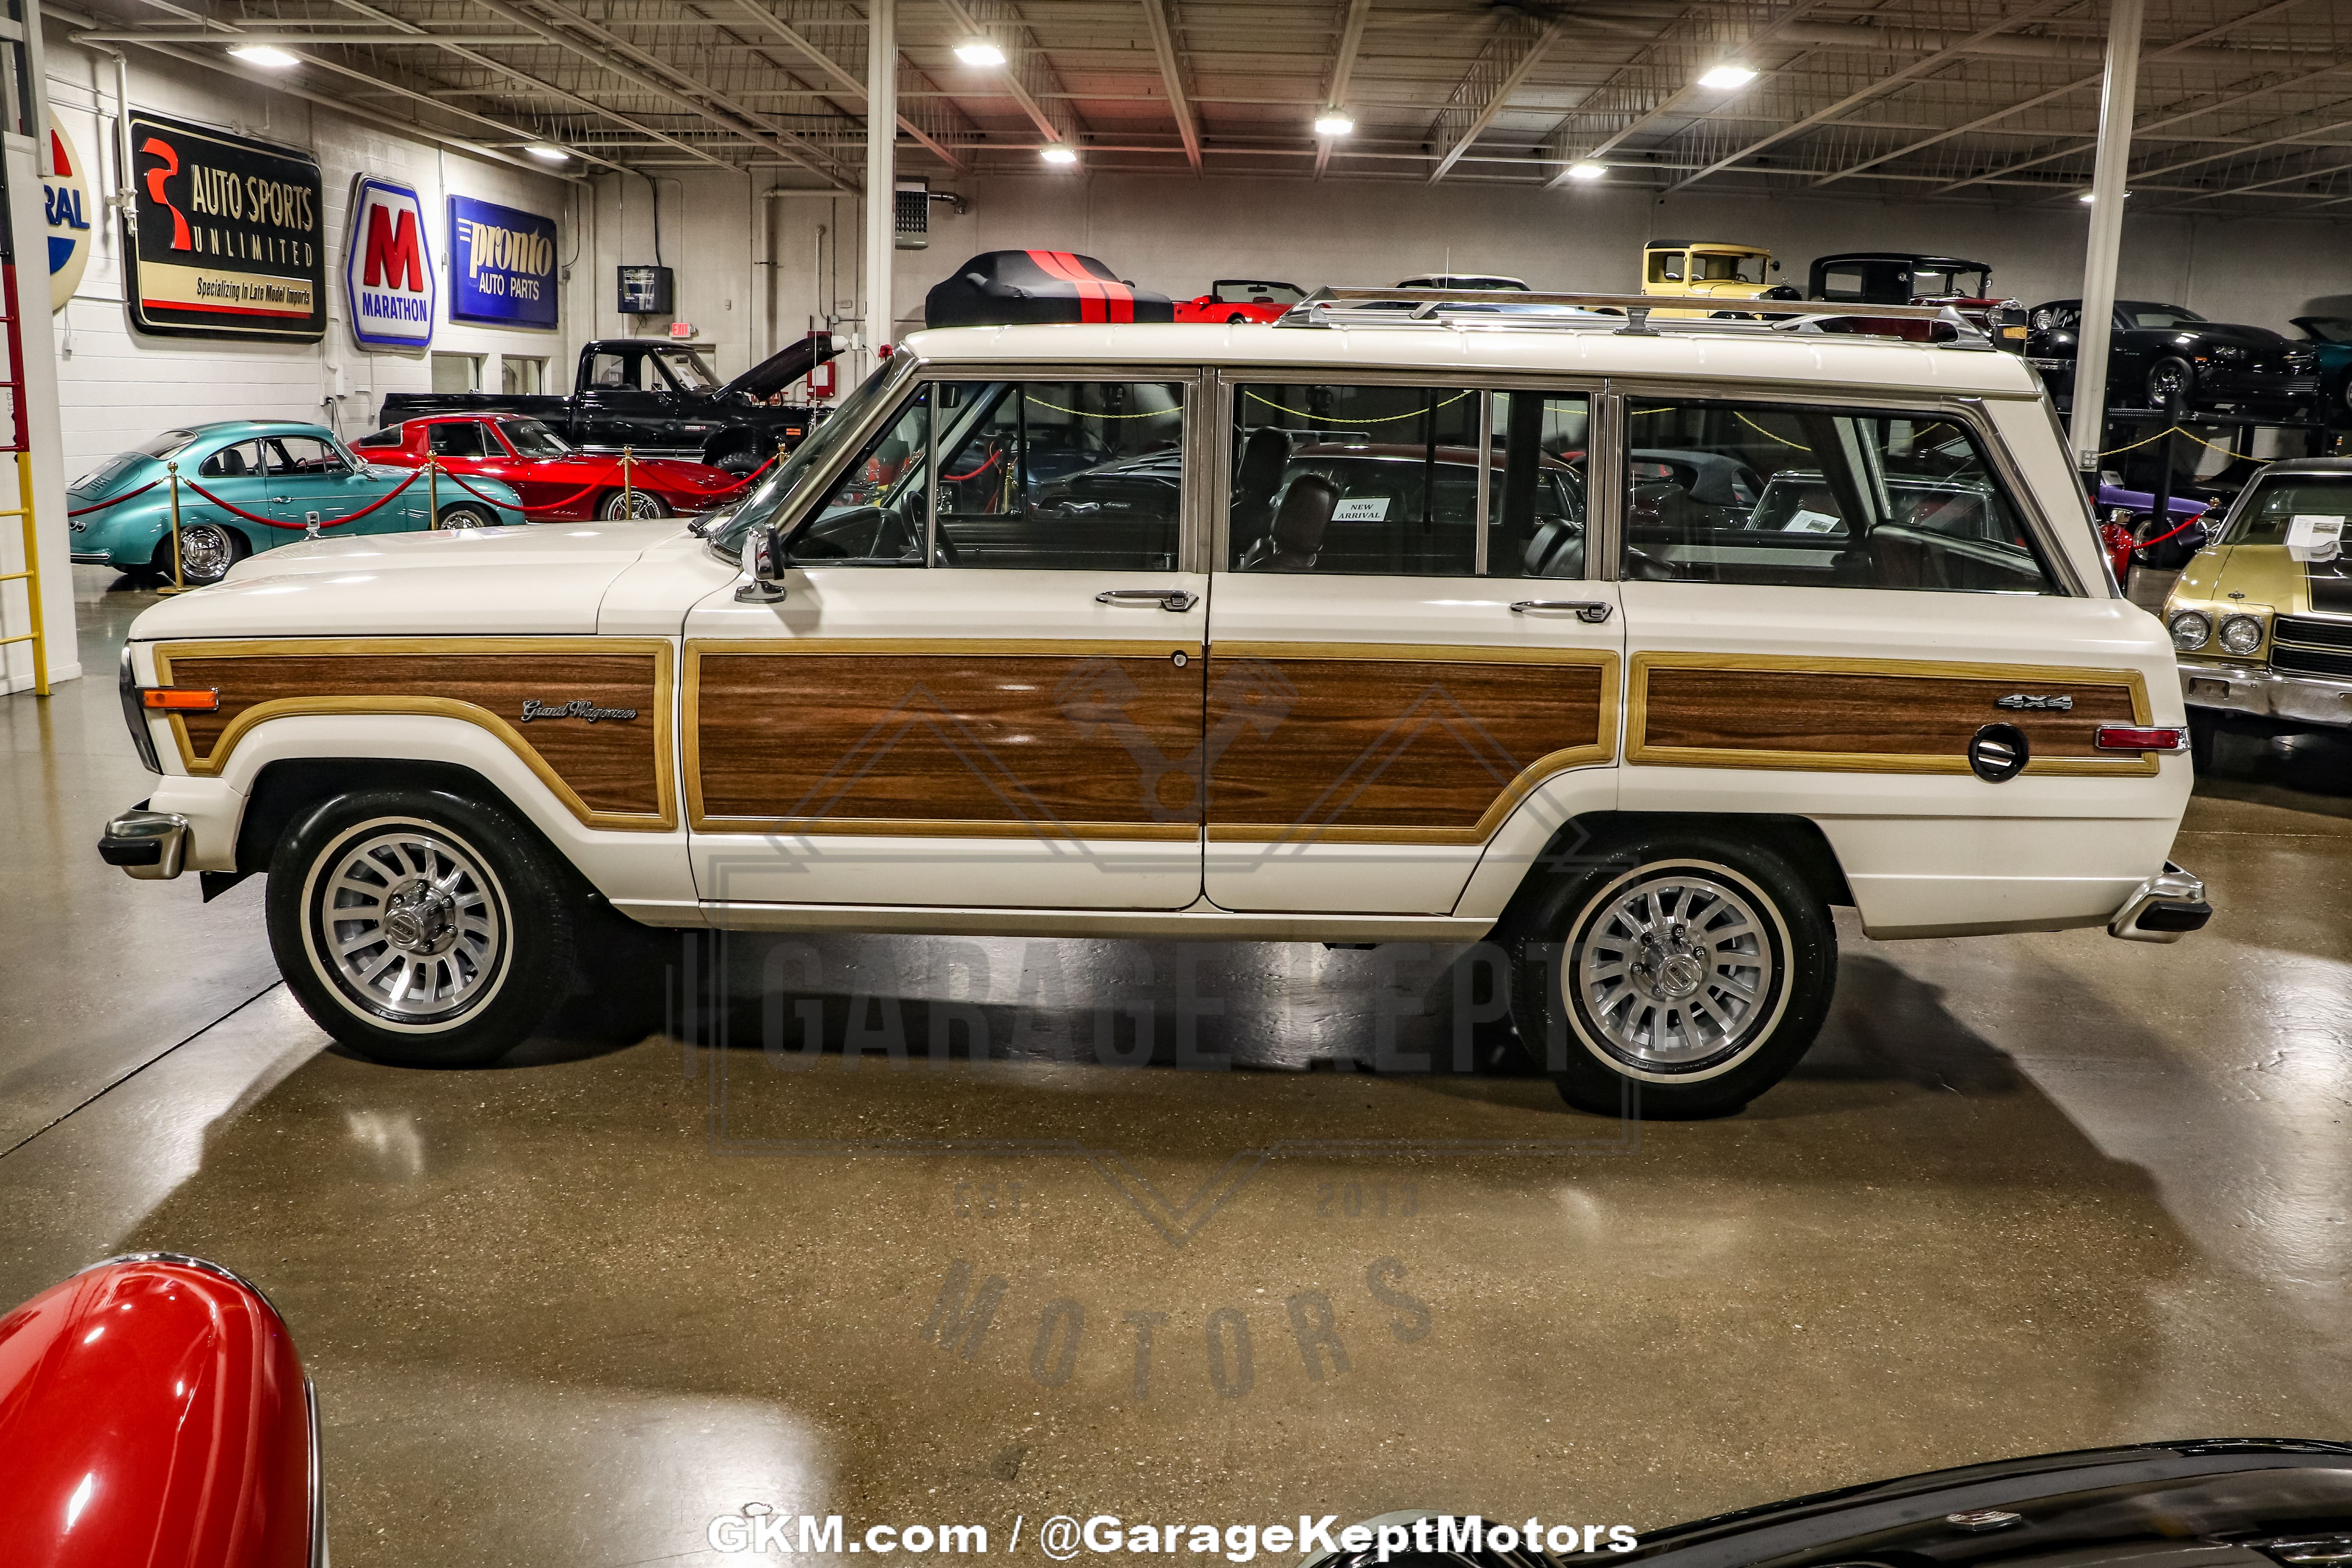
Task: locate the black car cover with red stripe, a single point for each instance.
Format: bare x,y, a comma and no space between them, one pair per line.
1008,287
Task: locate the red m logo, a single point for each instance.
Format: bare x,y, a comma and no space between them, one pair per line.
394,257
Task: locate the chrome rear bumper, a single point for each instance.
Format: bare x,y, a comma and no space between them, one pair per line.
2165,907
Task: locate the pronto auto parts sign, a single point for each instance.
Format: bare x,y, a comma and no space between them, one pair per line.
388,276
225,235
502,265
65,201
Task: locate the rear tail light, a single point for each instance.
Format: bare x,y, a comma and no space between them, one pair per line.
2134,738
180,699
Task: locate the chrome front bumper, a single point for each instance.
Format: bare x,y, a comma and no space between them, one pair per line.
152,846
2165,907
2257,689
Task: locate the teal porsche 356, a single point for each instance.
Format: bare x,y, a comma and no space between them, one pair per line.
246,485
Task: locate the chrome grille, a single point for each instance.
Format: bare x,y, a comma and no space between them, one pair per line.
2312,631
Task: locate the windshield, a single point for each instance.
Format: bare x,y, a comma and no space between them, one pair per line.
2330,328
2136,313
1748,269
1935,283
533,439
690,371
2271,511
727,531
1244,292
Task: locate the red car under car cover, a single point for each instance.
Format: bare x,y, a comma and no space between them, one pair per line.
1008,287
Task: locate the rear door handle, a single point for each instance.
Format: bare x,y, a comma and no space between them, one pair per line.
1592,612
1177,600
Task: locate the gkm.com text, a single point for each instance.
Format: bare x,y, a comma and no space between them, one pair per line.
758,1528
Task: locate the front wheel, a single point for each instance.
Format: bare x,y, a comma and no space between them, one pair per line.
2171,384
618,504
467,514
1672,974
419,928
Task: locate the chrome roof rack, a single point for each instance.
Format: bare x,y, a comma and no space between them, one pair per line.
1622,315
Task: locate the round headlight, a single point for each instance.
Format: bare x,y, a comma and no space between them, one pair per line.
2240,633
2190,628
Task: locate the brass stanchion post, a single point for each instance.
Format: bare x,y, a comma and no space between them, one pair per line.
179,584
629,493
433,492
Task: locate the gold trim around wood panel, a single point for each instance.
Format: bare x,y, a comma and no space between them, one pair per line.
1602,751
1640,753
663,700
699,821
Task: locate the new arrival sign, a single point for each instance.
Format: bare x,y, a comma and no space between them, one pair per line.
388,267
224,235
502,271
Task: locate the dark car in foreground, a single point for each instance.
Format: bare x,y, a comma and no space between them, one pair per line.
2168,356
2224,1502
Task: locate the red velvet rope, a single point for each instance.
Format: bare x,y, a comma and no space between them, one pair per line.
116,500
974,473
459,480
2160,538
301,527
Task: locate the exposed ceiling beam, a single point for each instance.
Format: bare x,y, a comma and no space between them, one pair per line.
852,86
1172,72
1343,66
1027,77
1510,57
2041,98
1915,69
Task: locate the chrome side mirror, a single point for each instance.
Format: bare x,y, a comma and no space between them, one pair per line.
763,563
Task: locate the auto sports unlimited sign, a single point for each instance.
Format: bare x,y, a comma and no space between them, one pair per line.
388,272
502,265
224,236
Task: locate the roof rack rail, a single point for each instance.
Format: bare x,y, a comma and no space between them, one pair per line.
1624,315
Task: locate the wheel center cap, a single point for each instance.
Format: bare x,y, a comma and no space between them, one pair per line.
420,919
1680,975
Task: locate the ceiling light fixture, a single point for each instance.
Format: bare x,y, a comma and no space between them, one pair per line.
2087,198
1333,122
1055,152
979,52
548,152
1728,76
1586,171
266,56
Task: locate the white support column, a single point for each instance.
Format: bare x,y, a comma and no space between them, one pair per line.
881,172
2103,248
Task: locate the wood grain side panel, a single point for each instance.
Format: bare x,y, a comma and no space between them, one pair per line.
612,766
1898,718
1014,738
1393,747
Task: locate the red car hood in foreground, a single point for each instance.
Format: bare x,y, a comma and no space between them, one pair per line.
154,1412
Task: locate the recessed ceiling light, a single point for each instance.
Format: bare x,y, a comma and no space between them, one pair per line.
1054,153
1332,123
1586,171
548,152
266,56
979,52
1728,76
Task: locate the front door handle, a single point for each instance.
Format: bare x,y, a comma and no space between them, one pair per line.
1592,612
1177,600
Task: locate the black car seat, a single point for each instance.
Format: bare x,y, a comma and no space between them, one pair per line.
1264,457
1296,536
230,463
1556,551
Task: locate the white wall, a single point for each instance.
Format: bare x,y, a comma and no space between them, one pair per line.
118,387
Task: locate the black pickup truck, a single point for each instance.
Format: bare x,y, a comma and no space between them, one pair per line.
657,397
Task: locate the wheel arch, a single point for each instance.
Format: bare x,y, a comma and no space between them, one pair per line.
286,787
1797,839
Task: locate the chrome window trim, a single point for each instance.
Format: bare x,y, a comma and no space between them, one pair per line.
1480,544
1967,410
1604,484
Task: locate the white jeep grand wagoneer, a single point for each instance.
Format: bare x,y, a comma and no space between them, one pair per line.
1639,649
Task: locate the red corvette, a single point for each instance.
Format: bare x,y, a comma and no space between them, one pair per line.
1237,300
557,482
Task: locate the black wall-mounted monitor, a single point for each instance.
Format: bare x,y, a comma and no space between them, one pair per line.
646,291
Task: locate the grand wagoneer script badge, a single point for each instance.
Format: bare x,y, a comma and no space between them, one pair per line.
532,708
2017,700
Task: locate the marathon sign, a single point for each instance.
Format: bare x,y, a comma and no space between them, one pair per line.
388,274
502,266
225,235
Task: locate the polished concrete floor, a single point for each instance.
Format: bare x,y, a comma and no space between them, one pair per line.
2027,1194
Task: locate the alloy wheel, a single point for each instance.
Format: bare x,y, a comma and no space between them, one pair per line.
1676,970
409,924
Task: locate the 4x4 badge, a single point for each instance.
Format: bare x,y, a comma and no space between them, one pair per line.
2019,700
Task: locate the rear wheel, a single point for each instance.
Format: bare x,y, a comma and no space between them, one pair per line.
2171,384
207,551
419,928
468,514
1672,974
618,504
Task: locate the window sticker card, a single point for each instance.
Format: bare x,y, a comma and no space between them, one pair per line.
1805,522
2313,536
1362,508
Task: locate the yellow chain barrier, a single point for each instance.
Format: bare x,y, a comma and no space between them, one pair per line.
1335,419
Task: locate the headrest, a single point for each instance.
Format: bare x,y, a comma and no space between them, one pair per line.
1307,509
1264,457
